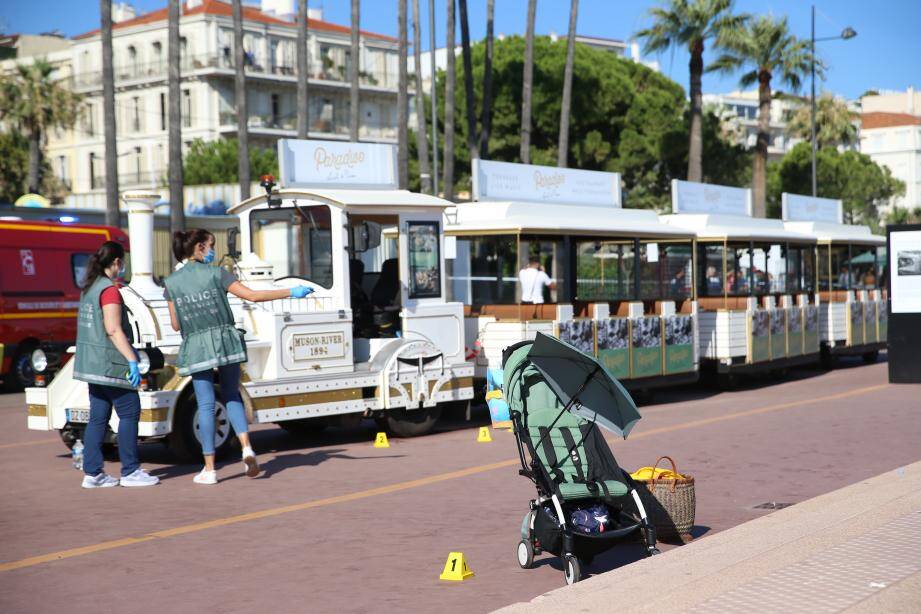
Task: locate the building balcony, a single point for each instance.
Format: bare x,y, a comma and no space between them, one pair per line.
285,126
222,64
129,180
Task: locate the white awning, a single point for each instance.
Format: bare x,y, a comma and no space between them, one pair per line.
351,198
735,227
531,217
845,233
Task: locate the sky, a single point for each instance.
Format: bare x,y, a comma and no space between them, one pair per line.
884,55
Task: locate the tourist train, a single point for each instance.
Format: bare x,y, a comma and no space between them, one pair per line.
415,298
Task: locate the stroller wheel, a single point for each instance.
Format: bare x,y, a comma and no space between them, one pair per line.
572,569
525,554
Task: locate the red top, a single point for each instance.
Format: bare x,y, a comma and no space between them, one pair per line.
110,296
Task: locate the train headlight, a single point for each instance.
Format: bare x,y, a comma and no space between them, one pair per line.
39,361
143,362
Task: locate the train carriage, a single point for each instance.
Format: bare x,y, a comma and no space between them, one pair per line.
851,277
622,281
755,282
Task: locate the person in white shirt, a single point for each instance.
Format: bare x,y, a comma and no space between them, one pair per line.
533,279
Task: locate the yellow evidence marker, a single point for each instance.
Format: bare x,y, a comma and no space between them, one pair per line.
381,441
456,568
483,436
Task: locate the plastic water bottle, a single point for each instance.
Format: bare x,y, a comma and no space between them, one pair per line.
77,453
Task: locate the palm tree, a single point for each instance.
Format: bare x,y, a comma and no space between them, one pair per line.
486,117
691,23
566,105
450,79
108,115
766,49
835,122
353,72
422,146
239,55
402,102
176,196
303,109
472,140
526,84
34,102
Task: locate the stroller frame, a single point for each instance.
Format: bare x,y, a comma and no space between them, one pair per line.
575,548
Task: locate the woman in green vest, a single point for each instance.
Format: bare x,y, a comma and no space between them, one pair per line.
198,307
106,361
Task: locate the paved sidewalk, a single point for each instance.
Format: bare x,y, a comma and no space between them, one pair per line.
854,549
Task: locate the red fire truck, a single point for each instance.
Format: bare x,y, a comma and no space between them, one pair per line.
41,269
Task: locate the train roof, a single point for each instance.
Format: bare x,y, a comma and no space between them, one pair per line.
537,217
730,227
826,232
350,198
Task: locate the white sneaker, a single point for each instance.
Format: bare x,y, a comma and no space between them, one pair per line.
250,464
205,477
140,478
99,481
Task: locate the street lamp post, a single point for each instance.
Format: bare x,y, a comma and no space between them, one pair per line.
846,33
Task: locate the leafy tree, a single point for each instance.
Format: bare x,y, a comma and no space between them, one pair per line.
691,23
625,118
14,169
217,162
767,51
863,185
833,120
32,100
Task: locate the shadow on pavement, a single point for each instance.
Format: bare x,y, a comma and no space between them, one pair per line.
310,459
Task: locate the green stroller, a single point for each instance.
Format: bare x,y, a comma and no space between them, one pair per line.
558,398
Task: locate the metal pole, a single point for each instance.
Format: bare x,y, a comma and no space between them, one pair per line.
813,102
434,98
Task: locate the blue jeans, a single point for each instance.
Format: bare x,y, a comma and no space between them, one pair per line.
128,409
203,383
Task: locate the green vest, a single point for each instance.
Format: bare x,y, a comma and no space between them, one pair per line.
97,361
209,337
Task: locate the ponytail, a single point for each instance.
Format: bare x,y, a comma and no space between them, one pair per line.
103,258
184,242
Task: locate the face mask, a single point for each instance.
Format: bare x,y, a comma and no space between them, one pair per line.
121,269
209,257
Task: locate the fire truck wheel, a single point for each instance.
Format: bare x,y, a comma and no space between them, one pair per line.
21,374
184,439
413,422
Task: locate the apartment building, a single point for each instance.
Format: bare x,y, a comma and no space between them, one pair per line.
207,86
738,113
890,134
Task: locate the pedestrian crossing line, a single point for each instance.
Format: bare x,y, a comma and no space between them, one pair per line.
389,488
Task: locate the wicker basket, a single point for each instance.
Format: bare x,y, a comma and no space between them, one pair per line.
670,504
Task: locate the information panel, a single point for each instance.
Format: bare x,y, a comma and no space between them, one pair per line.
336,164
905,271
799,208
509,181
693,197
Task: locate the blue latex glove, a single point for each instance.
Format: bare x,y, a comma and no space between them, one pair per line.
134,375
300,291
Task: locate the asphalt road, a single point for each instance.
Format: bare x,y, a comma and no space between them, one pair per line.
334,524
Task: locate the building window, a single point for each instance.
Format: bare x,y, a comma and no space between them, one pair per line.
89,120
162,110
133,67
275,110
136,114
187,108
157,57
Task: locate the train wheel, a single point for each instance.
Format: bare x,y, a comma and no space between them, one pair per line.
411,423
184,440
